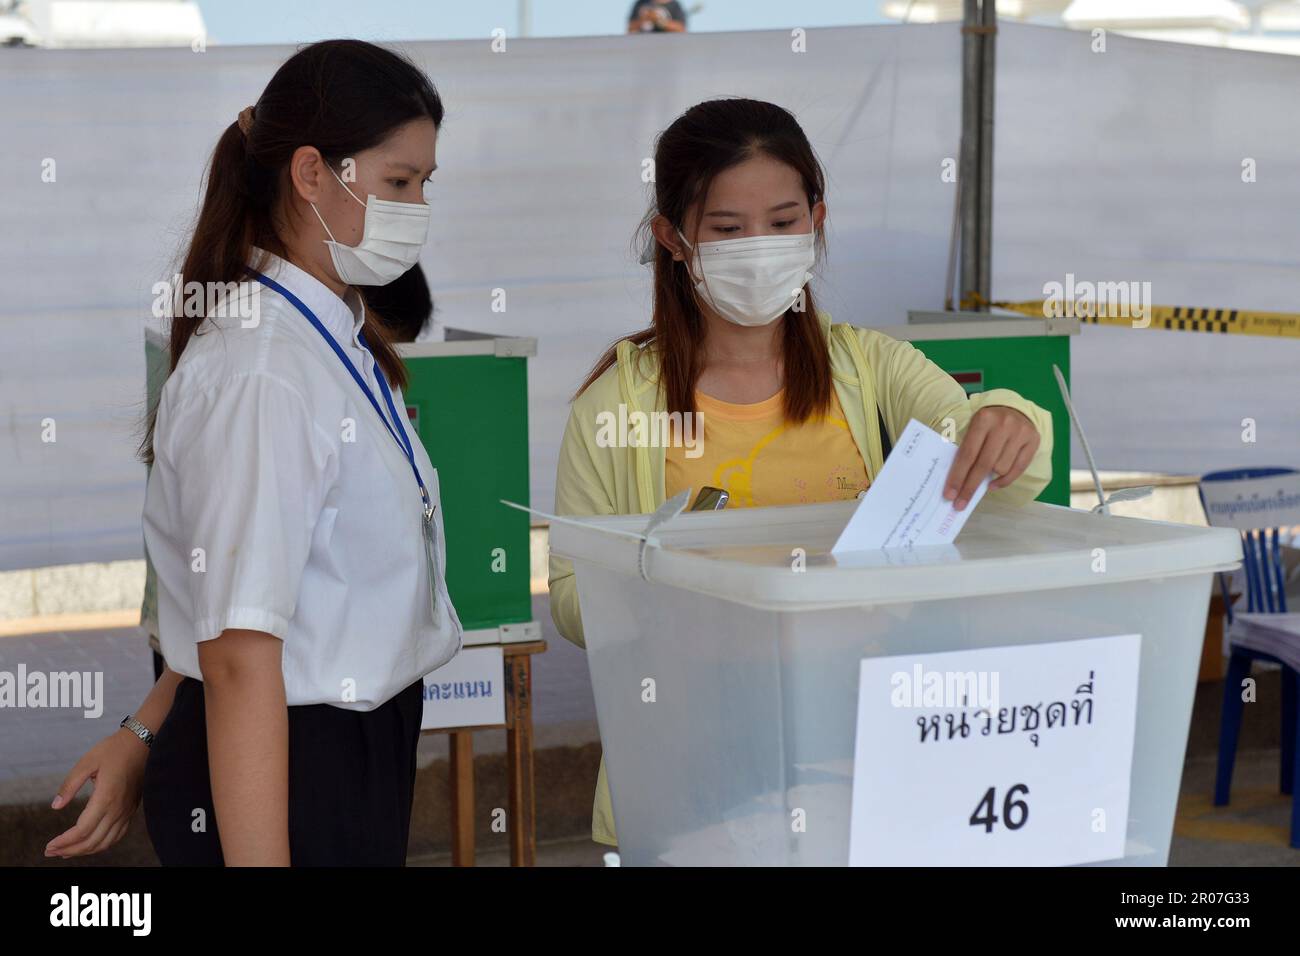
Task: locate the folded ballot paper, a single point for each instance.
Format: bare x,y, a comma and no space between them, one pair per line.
904,507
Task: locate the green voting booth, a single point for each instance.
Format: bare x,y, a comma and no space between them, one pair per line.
984,350
468,400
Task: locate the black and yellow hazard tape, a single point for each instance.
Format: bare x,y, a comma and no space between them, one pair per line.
1171,317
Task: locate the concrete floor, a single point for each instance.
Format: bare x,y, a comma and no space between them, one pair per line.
1253,830
561,853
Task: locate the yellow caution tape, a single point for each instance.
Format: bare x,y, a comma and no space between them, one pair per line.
1174,317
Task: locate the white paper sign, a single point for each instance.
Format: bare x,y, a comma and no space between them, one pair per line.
1032,771
1249,503
468,691
905,507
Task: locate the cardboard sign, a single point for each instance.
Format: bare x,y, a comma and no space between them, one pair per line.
1251,503
467,691
1006,756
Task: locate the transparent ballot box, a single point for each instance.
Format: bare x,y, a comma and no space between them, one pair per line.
753,690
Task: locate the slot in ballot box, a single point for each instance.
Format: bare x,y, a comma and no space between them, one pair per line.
763,703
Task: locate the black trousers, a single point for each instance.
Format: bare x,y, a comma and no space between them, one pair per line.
351,782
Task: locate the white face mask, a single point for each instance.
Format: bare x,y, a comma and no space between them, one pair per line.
390,244
754,280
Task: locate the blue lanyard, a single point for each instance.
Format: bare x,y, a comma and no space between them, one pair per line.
400,433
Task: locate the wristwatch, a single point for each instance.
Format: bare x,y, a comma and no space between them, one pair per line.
137,728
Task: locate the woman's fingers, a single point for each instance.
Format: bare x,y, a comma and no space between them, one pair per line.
73,782
989,436
1022,444
1000,442
77,834
113,766
968,453
90,842
994,443
1004,468
95,810
1022,460
117,833
114,833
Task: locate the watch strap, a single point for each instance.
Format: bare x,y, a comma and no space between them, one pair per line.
137,728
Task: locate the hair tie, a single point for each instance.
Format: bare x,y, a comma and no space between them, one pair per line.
245,120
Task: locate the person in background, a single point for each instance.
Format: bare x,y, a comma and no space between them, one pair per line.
403,306
656,16
796,409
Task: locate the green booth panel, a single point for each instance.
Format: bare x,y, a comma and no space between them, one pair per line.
983,351
468,401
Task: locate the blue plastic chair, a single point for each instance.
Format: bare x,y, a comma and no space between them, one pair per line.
1265,594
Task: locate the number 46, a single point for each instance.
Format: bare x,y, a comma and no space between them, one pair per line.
1010,808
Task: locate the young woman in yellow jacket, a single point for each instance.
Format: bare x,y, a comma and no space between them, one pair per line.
792,406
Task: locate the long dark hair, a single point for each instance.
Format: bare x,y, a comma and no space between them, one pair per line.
341,96
706,140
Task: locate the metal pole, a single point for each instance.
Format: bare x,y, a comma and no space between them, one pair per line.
968,171
951,275
525,19
988,49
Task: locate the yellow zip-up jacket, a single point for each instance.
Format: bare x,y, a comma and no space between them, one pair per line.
869,370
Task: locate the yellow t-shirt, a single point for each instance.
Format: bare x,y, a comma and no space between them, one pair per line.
752,452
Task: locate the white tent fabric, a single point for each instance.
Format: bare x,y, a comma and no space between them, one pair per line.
1116,166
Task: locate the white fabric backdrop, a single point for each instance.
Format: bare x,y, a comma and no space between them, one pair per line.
1123,165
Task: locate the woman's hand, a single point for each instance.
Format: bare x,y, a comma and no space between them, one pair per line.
1000,440
116,765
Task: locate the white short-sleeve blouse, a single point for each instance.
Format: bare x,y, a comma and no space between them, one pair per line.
279,502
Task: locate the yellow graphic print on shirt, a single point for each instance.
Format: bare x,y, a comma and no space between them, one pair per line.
761,460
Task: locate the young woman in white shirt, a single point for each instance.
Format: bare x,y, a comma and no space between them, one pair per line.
291,514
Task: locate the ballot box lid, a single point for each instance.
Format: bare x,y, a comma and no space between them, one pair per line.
779,558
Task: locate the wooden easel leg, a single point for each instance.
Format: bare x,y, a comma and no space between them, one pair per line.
519,760
462,797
